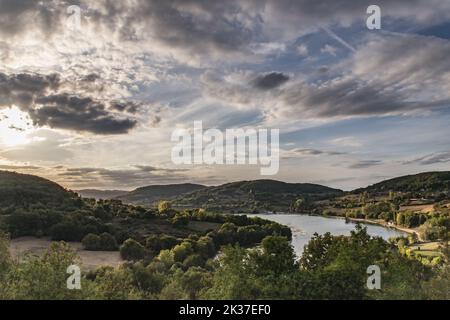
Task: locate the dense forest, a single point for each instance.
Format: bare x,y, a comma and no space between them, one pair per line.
330,268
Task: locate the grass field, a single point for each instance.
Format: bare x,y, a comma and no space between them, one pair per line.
429,249
21,247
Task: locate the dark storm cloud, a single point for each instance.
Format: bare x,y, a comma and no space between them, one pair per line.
125,106
21,89
270,81
365,164
38,96
79,114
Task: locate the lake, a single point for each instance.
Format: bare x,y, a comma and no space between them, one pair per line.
303,227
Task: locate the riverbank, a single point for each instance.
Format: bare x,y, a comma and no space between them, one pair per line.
388,225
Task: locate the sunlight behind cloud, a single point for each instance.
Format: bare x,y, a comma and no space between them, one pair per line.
15,127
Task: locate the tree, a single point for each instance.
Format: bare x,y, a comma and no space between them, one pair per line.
164,206
194,260
104,242
182,251
193,281
205,247
91,242
45,277
132,250
156,243
278,255
107,242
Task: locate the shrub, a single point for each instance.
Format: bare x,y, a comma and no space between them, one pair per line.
132,250
163,207
91,242
194,260
107,242
156,243
66,231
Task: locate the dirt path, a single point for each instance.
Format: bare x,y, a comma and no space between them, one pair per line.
20,247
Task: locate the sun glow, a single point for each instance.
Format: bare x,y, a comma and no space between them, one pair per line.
15,127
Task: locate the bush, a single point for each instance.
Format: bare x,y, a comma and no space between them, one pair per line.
107,242
132,250
163,207
66,231
156,243
180,220
194,260
182,251
91,242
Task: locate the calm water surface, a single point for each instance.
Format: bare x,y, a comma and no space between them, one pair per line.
303,227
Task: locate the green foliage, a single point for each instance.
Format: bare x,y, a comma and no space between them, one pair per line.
164,207
253,196
104,242
44,278
421,183
132,250
180,219
379,210
182,251
156,243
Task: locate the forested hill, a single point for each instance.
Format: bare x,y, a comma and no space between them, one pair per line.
100,194
426,182
22,190
150,195
253,196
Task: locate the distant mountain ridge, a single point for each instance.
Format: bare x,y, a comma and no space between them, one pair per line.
100,194
22,191
253,196
150,195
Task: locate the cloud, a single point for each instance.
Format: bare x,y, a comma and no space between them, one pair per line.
329,49
365,164
126,178
302,50
391,75
414,66
38,95
300,152
17,167
270,81
70,112
204,30
430,159
39,150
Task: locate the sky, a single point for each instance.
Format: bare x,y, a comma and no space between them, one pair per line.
91,91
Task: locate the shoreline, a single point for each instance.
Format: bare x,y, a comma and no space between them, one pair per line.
380,223
386,225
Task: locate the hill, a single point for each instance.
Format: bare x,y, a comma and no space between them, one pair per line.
101,194
22,190
426,182
253,196
150,195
